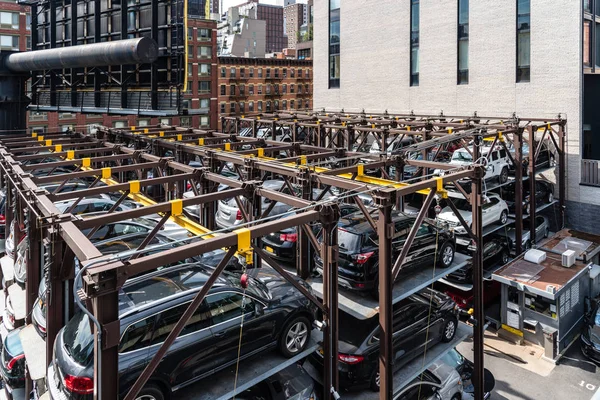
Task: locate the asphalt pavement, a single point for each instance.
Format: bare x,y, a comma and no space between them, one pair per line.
574,378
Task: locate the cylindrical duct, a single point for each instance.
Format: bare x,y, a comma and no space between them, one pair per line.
129,51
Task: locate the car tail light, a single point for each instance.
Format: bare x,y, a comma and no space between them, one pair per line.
288,237
22,238
11,318
42,329
79,384
238,216
364,257
11,363
350,359
188,186
2,219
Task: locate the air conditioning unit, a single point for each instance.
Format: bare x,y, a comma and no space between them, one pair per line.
551,289
568,258
535,256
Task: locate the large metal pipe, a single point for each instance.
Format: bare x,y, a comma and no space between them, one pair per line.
129,51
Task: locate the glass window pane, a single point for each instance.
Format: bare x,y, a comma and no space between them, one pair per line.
334,66
523,49
463,11
415,16
598,44
463,54
334,4
587,31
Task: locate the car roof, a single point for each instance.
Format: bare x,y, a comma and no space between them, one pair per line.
357,222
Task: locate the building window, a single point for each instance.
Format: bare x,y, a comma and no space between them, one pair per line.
223,90
204,34
38,129
242,72
299,73
414,42
251,90
204,52
285,72
204,103
292,88
204,87
587,6
9,20
184,122
299,89
541,305
232,107
232,90
587,44
292,73
260,73
597,52
252,72
268,90
268,108
28,22
276,105
28,42
523,40
276,72
232,72
307,104
306,89
165,121
307,73
223,72
251,106
334,44
189,88
463,42
66,116
8,42
268,72
119,124
284,89
204,69
242,107
276,88
190,69
190,33
260,106
242,90
222,108
38,116
190,51
284,104
204,121
259,91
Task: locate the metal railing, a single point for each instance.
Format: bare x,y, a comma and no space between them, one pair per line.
590,172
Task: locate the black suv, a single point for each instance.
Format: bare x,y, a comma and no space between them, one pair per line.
419,322
544,194
274,315
495,252
358,261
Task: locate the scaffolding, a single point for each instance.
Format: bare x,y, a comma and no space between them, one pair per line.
151,165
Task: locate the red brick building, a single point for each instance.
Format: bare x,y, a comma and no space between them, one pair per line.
259,85
200,100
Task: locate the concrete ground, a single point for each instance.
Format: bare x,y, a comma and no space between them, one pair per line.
574,378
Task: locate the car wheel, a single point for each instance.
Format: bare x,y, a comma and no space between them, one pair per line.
503,217
457,396
150,392
446,255
503,175
449,330
505,257
550,197
295,336
375,382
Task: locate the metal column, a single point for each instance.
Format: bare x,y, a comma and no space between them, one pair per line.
518,144
478,314
106,354
385,229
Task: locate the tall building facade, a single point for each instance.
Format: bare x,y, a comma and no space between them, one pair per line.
463,57
200,100
276,41
250,86
294,17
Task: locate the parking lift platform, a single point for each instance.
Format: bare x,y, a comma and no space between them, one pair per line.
8,270
363,306
34,348
220,386
410,371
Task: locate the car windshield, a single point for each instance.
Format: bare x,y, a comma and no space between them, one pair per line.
597,318
462,156
78,339
453,358
160,287
349,241
351,332
462,204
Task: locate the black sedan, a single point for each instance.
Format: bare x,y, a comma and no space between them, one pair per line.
275,315
12,365
590,334
495,252
358,243
419,322
544,194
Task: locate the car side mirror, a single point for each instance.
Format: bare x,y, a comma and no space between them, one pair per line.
259,309
438,396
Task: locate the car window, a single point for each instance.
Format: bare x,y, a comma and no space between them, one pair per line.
424,230
424,391
169,318
502,153
494,155
79,209
402,318
101,206
137,335
100,234
226,306
418,311
125,229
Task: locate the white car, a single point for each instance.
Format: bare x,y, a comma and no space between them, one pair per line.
494,210
497,164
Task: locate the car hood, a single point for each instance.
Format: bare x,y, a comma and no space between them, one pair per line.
448,215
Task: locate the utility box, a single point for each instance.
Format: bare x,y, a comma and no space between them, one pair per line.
549,342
